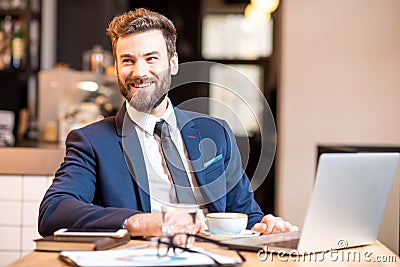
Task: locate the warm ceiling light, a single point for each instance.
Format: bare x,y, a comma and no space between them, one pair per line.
256,14
268,6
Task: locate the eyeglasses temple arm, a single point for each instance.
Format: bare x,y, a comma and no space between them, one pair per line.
220,244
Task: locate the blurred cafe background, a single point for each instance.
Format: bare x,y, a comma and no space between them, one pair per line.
327,73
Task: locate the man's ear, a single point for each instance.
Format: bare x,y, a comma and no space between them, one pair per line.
173,62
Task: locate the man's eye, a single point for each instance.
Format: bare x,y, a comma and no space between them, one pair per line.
126,60
152,59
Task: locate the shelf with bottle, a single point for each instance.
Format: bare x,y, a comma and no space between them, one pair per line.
12,43
14,46
20,35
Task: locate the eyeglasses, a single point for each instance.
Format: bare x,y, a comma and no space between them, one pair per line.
178,243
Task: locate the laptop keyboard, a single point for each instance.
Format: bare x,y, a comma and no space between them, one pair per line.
290,243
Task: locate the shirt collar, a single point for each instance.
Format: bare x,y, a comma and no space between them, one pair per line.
147,121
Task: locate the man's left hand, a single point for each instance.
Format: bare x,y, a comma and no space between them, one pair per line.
270,225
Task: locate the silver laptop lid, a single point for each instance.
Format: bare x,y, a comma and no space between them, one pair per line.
350,196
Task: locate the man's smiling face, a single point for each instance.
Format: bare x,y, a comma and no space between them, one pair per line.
143,69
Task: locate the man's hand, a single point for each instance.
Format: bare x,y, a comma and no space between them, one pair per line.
144,224
150,224
271,225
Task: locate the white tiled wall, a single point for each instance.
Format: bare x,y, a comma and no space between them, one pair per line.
20,196
11,187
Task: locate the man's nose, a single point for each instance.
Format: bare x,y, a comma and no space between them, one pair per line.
140,69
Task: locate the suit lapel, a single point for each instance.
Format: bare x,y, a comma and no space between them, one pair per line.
192,139
134,156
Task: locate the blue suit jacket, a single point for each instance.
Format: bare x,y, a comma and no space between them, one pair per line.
103,178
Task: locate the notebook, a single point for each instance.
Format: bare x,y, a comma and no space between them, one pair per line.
346,209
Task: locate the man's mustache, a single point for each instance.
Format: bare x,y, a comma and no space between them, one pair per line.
133,80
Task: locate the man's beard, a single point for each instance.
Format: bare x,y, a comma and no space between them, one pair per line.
143,100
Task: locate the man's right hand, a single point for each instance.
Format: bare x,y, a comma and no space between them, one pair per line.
150,224
144,224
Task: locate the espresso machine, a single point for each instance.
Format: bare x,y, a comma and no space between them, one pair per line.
70,99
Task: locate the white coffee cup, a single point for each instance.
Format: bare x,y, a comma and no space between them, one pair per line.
226,223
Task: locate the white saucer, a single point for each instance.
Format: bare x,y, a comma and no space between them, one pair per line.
244,233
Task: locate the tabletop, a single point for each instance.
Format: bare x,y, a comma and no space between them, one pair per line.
372,255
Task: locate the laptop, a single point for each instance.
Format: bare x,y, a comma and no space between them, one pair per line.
346,209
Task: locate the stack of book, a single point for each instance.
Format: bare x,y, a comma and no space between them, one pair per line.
60,243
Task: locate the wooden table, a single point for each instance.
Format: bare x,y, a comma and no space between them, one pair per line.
373,255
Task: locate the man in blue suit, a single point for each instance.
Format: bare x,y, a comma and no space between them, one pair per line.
114,174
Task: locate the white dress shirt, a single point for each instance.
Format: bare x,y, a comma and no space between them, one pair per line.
161,187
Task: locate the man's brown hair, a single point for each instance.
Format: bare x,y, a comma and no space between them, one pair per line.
142,20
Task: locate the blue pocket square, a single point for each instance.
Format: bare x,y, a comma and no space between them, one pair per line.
211,161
